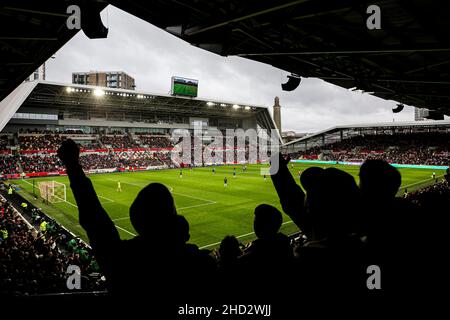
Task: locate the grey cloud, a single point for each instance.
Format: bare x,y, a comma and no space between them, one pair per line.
152,56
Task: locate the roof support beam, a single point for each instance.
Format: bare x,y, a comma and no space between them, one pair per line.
248,16
345,52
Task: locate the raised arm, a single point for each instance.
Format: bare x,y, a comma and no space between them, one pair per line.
102,233
292,197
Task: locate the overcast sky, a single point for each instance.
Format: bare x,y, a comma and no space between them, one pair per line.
152,56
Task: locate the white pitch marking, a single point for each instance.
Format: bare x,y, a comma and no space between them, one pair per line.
419,182
110,200
189,196
74,205
171,190
197,205
118,219
178,209
238,237
125,230
137,185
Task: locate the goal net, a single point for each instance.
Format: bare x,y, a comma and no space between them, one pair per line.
52,191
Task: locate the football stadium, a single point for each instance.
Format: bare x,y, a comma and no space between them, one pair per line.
113,194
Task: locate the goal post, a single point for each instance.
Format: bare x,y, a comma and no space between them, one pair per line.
53,191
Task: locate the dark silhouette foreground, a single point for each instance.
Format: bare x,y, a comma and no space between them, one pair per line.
157,262
345,228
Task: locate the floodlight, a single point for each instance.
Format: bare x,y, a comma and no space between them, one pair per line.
99,93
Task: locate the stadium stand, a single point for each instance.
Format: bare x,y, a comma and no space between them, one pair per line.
37,152
417,148
40,142
344,227
3,142
335,234
35,251
118,141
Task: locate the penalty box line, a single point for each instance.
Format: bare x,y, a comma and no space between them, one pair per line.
178,209
124,230
238,237
111,201
208,202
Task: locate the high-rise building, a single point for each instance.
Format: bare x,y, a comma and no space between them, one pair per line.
109,79
277,114
420,114
38,74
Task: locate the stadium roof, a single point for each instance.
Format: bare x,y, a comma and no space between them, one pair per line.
31,32
373,126
406,61
75,97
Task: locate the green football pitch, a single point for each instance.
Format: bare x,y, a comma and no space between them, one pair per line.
185,89
213,211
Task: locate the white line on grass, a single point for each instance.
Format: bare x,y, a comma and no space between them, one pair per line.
189,196
131,233
123,218
137,185
419,182
74,205
238,237
171,190
110,200
178,209
197,205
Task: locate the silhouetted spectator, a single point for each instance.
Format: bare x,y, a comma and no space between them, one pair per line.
329,217
268,256
155,262
229,252
391,226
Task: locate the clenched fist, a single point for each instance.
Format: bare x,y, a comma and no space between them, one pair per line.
69,153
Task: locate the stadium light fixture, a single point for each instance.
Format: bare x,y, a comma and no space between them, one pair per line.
140,96
99,93
223,105
210,103
292,83
236,106
247,108
399,108
68,89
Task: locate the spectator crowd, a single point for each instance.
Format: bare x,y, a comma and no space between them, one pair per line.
343,228
35,254
99,153
419,149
